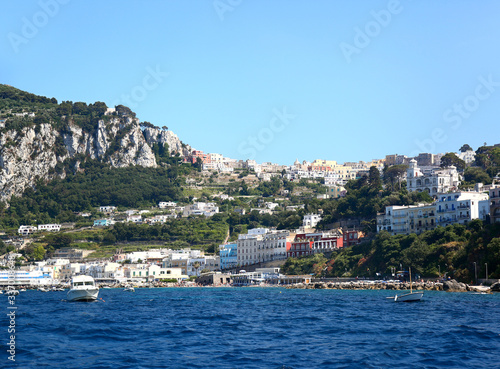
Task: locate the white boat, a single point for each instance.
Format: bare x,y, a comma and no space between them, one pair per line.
409,297
129,289
41,289
83,288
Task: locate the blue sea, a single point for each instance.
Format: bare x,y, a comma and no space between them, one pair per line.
254,328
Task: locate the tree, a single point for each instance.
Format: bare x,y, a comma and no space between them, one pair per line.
450,159
374,178
476,175
394,174
36,252
196,266
465,148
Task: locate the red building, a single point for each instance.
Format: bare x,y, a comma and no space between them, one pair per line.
352,238
195,154
315,243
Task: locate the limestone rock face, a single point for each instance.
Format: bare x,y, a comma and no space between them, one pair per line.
157,135
34,153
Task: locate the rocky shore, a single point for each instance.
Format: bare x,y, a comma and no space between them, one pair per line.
449,286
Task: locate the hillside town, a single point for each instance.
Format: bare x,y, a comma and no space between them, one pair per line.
263,249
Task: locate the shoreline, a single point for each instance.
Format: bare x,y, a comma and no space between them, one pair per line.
446,286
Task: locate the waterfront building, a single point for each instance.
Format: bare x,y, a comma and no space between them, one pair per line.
36,277
313,243
262,245
56,265
257,277
228,256
71,269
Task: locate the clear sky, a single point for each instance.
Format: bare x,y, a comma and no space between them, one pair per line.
272,80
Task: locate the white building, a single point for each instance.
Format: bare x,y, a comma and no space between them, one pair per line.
450,208
160,218
49,227
201,208
150,255
166,204
261,245
148,272
107,209
134,219
25,230
434,182
461,207
469,156
311,220
106,271
36,277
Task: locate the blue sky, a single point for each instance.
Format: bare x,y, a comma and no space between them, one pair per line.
272,80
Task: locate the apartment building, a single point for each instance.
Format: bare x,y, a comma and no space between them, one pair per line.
450,208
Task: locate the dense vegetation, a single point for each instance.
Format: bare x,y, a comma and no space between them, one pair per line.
96,185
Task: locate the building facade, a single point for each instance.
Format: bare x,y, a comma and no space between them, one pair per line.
450,208
434,182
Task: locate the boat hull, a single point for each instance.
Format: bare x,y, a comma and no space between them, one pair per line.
409,297
83,294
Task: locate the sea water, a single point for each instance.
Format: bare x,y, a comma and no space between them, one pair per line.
254,328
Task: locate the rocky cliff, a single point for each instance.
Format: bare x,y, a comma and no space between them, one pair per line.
39,151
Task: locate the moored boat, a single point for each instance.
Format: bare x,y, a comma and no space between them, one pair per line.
409,297
83,288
